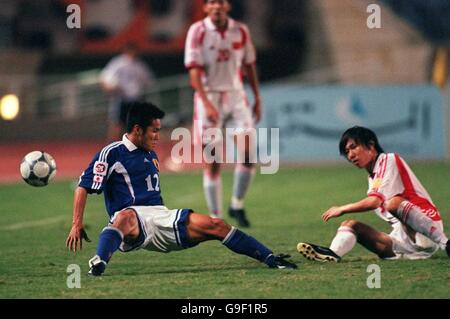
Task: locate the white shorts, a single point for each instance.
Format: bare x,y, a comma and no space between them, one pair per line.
404,247
161,229
234,112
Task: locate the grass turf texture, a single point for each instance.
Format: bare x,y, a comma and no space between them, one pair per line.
284,209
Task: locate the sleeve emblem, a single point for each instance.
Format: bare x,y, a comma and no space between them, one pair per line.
100,168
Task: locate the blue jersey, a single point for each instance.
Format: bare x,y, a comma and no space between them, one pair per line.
127,176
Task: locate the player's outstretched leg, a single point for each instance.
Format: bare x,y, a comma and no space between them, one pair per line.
109,241
124,224
348,234
317,253
202,228
414,217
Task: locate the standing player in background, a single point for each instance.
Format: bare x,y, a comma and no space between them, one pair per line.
396,195
127,171
125,79
218,48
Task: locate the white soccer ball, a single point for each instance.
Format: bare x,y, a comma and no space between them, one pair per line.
38,168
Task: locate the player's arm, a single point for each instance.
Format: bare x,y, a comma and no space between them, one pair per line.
77,232
197,85
254,84
366,204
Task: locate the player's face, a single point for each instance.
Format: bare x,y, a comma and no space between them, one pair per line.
150,137
360,155
217,11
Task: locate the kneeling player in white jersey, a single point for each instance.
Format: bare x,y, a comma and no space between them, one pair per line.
396,195
127,172
218,49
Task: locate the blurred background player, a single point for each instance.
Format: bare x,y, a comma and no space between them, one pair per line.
396,195
125,78
127,171
217,49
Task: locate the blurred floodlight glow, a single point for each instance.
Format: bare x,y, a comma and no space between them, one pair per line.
9,107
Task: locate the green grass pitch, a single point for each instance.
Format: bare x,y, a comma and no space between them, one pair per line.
284,209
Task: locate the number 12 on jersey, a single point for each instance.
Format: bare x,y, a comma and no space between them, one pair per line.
150,187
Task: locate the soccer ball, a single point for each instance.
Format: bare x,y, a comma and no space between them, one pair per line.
38,168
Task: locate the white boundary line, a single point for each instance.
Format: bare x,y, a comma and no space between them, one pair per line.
36,223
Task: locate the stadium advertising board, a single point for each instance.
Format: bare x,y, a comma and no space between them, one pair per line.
407,119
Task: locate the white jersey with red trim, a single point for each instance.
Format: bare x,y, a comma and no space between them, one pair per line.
391,177
221,55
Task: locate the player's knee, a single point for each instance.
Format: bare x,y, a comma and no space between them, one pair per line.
213,169
218,228
125,220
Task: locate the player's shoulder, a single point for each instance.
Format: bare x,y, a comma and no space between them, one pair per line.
392,156
198,25
110,150
238,25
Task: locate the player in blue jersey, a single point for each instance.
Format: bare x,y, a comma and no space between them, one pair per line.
127,172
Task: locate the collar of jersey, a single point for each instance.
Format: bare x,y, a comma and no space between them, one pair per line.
210,25
128,144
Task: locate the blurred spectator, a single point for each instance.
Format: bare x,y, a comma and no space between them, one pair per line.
125,79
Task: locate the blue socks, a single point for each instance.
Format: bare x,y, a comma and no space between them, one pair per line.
243,244
109,241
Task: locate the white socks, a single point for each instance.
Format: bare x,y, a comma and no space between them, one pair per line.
243,177
344,241
212,187
413,216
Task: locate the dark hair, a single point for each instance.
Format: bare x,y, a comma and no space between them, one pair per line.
361,136
142,113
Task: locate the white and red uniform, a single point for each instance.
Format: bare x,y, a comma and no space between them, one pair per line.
393,177
220,56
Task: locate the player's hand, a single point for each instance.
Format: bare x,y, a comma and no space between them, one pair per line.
211,112
75,238
331,213
257,109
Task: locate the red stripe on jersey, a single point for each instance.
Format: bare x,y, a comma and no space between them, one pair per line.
240,45
199,36
410,194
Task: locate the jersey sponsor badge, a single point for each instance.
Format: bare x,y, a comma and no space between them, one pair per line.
100,168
